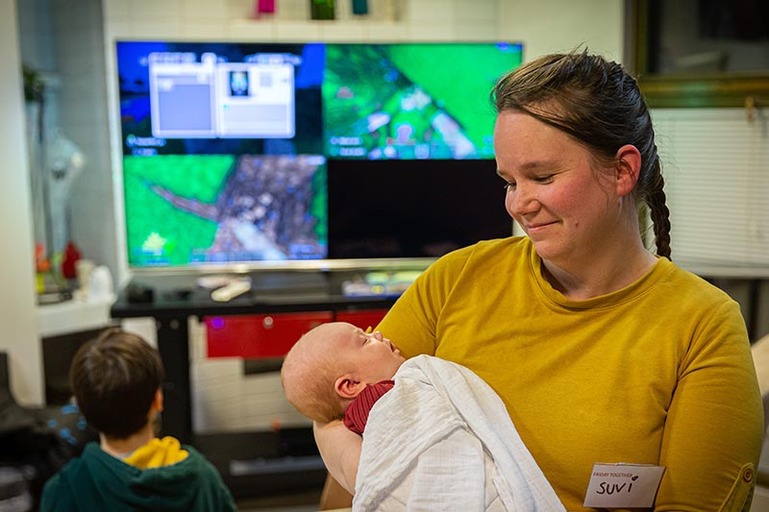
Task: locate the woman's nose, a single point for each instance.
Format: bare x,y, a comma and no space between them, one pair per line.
521,201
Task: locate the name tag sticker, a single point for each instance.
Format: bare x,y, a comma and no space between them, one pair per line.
623,485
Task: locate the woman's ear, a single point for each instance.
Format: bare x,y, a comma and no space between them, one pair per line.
628,168
347,387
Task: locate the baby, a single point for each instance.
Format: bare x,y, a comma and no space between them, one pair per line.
453,435
338,371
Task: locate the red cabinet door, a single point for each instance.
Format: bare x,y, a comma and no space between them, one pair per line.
255,336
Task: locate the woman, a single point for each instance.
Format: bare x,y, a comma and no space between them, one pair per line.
602,351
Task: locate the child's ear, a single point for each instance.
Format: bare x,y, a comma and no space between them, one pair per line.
157,403
347,387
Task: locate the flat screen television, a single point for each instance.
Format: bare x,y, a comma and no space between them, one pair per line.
307,155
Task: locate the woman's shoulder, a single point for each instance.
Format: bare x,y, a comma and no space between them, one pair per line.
482,260
687,282
498,249
694,297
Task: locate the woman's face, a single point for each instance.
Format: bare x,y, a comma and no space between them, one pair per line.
565,205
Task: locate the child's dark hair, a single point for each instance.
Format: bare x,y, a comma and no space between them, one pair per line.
115,378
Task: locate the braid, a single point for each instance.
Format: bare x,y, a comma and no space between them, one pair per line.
660,216
650,189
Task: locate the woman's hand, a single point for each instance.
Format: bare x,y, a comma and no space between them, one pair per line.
340,450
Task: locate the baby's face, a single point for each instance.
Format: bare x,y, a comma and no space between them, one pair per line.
373,355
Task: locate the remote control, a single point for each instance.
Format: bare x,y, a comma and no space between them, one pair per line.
229,291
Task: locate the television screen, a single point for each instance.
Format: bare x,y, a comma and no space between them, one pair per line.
196,209
414,209
273,154
412,101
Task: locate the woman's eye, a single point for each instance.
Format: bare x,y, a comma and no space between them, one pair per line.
509,186
544,179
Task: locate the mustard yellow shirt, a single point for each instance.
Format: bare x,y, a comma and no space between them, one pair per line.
659,372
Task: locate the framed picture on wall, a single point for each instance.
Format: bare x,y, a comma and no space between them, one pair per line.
701,53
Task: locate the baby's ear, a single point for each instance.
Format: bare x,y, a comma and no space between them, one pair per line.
347,387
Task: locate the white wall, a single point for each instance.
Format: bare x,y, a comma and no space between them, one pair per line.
83,117
17,295
547,26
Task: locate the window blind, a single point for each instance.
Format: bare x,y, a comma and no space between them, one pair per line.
716,167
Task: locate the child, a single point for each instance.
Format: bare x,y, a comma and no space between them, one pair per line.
439,438
117,380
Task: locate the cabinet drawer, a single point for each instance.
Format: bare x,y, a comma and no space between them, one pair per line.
254,336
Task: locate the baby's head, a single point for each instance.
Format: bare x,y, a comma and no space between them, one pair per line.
331,365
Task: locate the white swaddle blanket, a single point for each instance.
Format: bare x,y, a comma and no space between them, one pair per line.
442,440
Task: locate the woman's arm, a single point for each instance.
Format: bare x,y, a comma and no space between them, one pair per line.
714,426
340,450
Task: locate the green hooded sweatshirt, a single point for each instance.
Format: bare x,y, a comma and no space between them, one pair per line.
97,481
